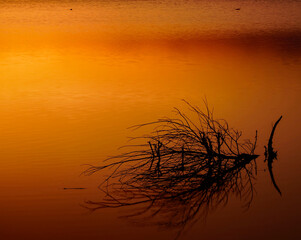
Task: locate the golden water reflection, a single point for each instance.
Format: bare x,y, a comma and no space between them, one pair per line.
70,86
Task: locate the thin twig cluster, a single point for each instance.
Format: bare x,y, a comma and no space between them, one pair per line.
183,169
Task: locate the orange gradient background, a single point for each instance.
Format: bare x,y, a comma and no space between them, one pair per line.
71,82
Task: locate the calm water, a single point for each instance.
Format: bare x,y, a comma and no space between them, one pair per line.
72,81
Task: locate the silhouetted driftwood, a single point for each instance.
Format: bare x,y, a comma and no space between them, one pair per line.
182,169
74,188
271,155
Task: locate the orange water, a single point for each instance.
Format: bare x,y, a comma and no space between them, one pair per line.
72,81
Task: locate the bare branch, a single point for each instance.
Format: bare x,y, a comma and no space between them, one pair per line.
184,170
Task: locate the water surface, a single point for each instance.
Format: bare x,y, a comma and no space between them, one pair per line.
72,81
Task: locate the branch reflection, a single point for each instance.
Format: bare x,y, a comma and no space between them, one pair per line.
181,171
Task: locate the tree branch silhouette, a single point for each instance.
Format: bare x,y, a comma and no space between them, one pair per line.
271,155
181,170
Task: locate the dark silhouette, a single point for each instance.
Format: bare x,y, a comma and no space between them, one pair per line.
271,155
74,188
182,170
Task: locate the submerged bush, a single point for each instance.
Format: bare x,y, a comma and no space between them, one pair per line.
183,169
